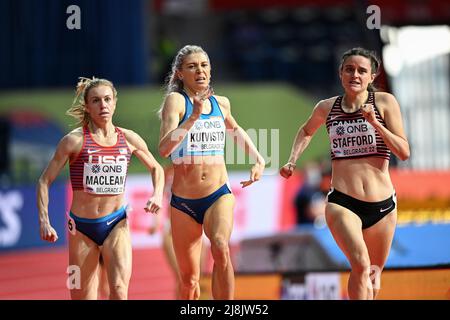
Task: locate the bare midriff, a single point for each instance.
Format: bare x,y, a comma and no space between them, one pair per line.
365,179
92,206
198,176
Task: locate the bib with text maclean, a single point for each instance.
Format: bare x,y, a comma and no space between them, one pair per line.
101,169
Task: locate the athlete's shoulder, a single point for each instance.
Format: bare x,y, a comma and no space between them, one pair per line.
174,102
323,108
385,97
223,101
76,131
175,97
75,135
325,105
73,141
129,134
125,131
385,101
133,139
329,102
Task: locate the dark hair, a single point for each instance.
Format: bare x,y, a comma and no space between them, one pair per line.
369,54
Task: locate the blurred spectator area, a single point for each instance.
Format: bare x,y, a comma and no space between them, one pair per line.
132,42
39,50
299,41
302,41
27,143
4,145
270,40
301,45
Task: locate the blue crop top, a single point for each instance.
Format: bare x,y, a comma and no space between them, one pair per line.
207,135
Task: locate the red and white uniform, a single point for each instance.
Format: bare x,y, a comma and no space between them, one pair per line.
100,169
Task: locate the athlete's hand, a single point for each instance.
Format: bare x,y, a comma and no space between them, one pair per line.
198,99
368,113
154,204
48,233
287,170
255,173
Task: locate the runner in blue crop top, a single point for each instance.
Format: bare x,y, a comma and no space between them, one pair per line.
193,123
206,136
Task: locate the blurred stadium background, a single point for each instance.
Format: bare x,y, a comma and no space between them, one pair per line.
274,60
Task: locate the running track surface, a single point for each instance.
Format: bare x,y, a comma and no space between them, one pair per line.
41,275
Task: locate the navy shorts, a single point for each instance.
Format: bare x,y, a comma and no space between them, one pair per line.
369,212
97,229
196,208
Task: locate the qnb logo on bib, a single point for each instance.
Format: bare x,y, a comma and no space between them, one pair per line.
353,139
206,135
96,168
105,174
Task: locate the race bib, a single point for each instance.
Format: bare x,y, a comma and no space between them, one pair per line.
352,139
105,178
71,226
207,135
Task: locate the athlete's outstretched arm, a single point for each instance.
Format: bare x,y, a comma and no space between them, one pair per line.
304,136
140,149
244,141
54,167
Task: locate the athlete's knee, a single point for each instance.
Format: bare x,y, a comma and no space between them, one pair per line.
118,287
118,291
79,294
220,251
360,263
189,281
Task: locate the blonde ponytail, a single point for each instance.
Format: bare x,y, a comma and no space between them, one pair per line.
78,108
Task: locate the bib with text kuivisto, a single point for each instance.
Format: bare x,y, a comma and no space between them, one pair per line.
206,135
